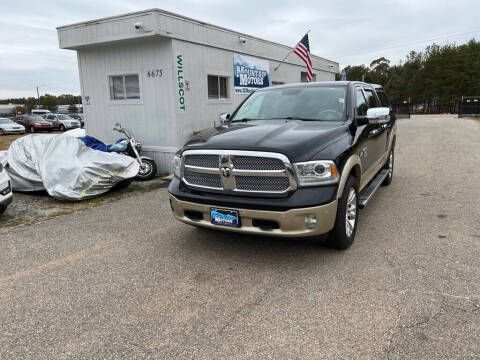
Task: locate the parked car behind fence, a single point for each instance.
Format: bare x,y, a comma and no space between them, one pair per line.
62,122
8,126
79,117
33,123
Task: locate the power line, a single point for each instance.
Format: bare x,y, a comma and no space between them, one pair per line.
409,43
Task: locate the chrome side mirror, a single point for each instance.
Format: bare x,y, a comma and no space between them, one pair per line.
224,118
378,114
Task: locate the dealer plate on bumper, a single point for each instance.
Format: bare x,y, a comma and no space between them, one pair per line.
225,217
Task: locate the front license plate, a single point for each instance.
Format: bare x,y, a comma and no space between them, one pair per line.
225,217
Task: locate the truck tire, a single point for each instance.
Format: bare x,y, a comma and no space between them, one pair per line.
62,128
389,166
343,233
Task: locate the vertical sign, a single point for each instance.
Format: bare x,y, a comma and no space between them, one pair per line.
181,83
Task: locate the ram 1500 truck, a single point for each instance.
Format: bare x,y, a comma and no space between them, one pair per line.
295,160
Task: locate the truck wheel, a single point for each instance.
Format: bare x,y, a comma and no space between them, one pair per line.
389,165
62,128
343,233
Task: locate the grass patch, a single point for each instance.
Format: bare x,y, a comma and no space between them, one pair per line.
39,207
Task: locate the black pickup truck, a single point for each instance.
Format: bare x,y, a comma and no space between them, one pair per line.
295,160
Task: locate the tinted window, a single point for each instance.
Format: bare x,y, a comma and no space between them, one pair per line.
217,87
383,98
64,117
132,87
371,100
5,121
361,104
303,77
35,118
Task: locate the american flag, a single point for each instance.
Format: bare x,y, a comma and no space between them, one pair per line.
303,51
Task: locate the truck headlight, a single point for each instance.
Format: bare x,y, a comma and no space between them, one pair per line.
176,164
319,172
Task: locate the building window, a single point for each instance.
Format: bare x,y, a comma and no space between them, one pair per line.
277,83
124,87
303,77
217,87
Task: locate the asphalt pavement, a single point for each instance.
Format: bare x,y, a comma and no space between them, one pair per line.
124,280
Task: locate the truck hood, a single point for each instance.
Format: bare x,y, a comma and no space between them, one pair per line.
298,140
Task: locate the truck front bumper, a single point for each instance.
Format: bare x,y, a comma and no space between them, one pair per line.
291,223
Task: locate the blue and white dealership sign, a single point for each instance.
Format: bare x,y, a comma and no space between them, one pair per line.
249,73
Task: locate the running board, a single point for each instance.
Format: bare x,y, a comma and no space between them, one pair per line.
367,193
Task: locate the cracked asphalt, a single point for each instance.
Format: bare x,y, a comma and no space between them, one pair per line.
125,281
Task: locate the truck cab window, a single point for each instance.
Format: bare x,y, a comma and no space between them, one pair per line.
361,107
371,100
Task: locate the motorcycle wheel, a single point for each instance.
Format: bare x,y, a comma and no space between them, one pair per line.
148,171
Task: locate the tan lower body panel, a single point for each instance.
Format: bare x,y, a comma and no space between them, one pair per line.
291,222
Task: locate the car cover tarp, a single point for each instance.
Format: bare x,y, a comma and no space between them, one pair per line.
94,143
65,167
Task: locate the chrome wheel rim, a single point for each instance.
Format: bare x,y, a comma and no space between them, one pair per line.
146,169
390,164
351,213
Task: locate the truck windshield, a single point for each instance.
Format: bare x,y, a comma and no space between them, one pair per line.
312,103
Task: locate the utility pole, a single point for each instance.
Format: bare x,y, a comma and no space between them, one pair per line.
38,98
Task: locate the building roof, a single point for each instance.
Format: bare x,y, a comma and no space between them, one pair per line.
157,22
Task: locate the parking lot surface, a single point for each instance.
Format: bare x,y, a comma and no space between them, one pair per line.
124,280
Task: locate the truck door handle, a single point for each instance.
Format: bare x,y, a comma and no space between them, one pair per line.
373,133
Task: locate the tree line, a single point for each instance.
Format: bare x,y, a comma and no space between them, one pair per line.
46,101
432,81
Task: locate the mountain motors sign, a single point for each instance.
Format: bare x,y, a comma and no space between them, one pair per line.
250,73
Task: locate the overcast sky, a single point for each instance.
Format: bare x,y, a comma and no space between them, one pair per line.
346,31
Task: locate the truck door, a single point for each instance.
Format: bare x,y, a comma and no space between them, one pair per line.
367,141
377,132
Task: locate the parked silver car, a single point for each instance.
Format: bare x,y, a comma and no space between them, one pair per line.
62,122
8,126
5,189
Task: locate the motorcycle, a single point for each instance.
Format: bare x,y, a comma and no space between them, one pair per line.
131,147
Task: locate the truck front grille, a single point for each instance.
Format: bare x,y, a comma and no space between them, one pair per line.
202,160
257,163
205,180
261,183
238,171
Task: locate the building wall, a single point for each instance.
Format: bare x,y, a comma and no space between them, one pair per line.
151,118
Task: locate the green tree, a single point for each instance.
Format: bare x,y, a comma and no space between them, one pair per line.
29,104
49,102
356,72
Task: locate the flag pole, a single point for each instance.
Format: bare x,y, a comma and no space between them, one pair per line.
285,58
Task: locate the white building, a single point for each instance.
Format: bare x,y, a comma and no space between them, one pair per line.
9,109
165,76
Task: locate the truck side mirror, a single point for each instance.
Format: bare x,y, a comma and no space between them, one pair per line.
378,114
224,118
